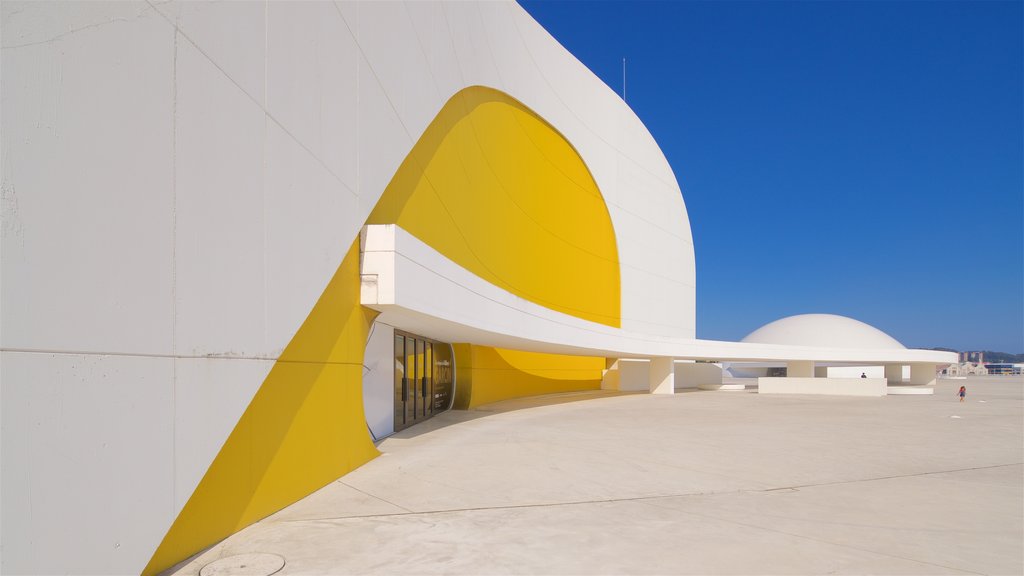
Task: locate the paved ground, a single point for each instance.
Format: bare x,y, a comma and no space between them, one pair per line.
695,483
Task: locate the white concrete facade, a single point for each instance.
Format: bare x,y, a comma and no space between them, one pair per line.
180,181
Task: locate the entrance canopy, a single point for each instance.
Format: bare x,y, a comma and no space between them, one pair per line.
419,289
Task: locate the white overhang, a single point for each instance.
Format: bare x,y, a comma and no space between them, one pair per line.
419,290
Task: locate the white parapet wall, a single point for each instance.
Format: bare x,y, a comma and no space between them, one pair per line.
634,374
823,386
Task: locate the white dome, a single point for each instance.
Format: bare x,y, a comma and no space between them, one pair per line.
822,330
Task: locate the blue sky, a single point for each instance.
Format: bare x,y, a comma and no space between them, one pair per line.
854,158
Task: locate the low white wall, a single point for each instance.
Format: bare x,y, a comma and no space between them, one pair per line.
634,374
855,371
693,374
823,386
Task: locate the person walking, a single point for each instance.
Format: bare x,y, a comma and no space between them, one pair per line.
963,393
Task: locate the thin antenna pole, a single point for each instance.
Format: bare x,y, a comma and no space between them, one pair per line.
623,79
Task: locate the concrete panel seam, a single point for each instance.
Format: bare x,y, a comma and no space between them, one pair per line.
657,275
659,227
419,44
570,109
261,107
73,31
451,40
167,356
376,78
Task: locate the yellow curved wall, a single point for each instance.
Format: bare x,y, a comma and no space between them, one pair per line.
484,374
304,428
499,191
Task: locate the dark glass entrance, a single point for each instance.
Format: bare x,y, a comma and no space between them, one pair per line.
423,379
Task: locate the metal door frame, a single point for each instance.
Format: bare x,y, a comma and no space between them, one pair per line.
418,385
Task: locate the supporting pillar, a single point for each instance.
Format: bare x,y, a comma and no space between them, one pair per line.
894,373
800,369
611,377
662,376
922,374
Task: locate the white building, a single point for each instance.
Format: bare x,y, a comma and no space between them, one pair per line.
965,369
237,234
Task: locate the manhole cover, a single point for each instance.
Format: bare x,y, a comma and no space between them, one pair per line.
244,565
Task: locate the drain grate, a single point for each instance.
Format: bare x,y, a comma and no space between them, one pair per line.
244,565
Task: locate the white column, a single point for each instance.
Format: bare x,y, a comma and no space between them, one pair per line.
922,374
894,373
800,369
610,379
662,376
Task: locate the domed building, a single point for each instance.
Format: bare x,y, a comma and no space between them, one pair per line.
824,330
827,331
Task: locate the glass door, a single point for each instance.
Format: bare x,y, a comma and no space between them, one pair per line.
428,377
401,382
443,380
423,379
412,375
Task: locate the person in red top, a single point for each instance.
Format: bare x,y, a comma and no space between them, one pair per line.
963,392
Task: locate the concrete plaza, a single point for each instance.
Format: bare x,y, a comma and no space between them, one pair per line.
693,483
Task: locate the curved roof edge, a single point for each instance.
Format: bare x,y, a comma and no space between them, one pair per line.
823,330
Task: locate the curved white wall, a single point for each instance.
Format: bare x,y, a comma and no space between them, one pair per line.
181,179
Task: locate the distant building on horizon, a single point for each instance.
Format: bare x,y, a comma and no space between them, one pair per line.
965,369
1005,368
977,357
